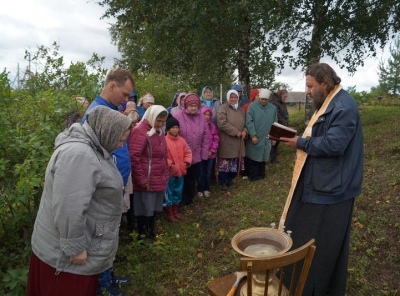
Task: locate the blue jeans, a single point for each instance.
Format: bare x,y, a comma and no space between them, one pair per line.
105,278
226,178
174,191
203,182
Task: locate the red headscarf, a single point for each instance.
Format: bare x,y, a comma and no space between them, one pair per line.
253,94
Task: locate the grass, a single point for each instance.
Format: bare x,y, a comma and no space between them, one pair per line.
191,253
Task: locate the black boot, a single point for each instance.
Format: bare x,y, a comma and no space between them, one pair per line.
141,226
130,216
150,223
274,154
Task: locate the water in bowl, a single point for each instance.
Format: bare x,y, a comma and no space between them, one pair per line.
261,250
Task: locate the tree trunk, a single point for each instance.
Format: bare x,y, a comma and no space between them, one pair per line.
315,49
244,63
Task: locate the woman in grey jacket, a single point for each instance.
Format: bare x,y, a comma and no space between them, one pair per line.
75,236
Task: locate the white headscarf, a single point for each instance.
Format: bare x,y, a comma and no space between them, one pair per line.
151,115
232,91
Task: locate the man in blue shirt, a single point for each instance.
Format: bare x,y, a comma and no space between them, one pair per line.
118,86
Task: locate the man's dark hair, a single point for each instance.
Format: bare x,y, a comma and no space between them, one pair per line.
322,72
119,76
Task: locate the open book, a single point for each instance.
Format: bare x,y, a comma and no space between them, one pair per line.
278,130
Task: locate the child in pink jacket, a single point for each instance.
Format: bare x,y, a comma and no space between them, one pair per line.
179,159
203,183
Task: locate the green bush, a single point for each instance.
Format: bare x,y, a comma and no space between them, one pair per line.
30,119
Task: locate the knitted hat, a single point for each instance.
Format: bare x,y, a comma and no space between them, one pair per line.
108,125
171,122
265,93
191,98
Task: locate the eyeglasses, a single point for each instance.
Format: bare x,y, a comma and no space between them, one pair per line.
262,99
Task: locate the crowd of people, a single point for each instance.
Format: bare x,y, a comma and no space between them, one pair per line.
131,155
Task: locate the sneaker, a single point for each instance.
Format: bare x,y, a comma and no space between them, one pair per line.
207,193
245,177
199,194
224,187
109,291
117,281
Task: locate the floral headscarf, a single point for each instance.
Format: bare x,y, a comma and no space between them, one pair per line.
108,125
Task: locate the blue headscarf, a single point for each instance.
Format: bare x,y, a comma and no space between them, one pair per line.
203,99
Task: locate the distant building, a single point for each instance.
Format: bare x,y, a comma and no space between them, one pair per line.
296,97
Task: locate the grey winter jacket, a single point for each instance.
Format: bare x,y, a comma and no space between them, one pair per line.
80,206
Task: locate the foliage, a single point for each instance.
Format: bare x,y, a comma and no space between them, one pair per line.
205,41
311,30
15,280
376,96
78,80
202,42
161,87
29,127
389,74
30,119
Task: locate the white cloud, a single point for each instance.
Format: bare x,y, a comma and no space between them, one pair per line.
75,25
364,78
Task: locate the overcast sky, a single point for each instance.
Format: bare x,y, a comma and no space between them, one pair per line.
76,26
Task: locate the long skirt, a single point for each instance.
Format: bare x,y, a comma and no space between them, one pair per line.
43,280
330,226
145,203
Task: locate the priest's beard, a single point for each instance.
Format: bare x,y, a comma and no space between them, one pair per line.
318,99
